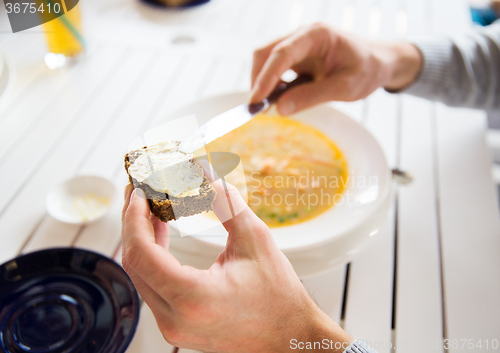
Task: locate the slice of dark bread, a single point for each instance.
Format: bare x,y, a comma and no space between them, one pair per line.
168,207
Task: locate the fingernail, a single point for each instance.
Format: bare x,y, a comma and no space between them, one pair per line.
137,192
127,192
208,169
250,96
203,163
287,107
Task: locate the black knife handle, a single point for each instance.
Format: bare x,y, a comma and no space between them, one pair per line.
283,86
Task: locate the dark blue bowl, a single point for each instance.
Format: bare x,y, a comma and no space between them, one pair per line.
188,4
66,300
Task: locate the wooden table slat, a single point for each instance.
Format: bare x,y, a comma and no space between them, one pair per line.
44,93
470,230
333,15
251,21
106,153
277,21
370,288
418,293
419,315
362,15
311,13
20,61
50,233
450,17
225,79
419,19
196,75
388,24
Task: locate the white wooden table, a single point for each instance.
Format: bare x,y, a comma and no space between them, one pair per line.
434,274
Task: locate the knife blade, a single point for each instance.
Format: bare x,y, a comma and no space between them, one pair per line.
236,117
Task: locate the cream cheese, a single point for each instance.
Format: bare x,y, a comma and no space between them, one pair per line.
167,169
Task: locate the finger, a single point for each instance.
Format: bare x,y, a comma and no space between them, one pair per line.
136,219
283,56
163,312
129,189
336,87
162,231
148,260
126,197
228,202
260,56
152,299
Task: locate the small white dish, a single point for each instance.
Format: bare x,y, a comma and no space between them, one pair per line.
81,200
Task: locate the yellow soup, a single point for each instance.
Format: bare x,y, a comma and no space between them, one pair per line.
292,171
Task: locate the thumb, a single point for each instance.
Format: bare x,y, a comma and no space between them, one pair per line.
310,94
136,223
247,232
228,203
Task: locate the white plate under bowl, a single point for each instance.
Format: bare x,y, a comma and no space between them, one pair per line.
328,239
81,200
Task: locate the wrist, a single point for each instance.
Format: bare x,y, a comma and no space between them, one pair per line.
323,335
329,334
311,330
403,64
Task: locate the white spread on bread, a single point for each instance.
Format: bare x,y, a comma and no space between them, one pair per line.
167,169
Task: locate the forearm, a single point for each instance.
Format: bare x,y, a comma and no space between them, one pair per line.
462,72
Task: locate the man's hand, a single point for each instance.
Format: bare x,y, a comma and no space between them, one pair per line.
495,4
345,67
250,300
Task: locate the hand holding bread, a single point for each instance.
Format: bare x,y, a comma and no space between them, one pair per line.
249,300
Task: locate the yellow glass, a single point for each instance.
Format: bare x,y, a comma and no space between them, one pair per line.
64,36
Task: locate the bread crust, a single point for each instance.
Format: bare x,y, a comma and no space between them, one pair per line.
167,207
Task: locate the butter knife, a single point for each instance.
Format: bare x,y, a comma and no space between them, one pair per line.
234,118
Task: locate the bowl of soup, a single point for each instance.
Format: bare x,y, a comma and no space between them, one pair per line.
291,171
317,178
